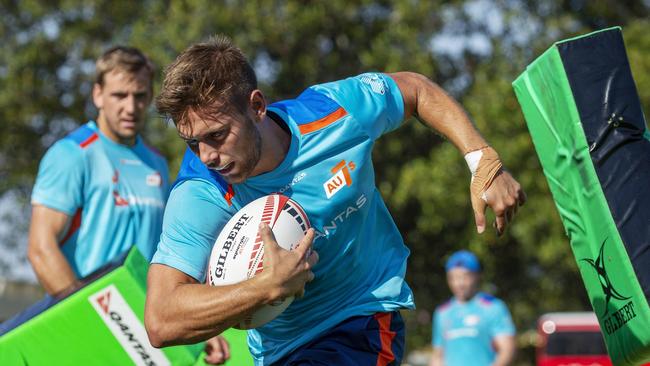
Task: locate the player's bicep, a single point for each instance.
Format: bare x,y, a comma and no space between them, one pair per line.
407,84
504,343
163,279
48,226
193,218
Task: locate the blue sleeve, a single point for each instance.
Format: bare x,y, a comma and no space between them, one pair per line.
436,337
60,179
501,321
373,99
194,216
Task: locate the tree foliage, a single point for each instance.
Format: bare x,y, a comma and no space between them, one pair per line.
472,48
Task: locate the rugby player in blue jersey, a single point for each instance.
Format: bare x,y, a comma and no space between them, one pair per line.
101,189
472,328
316,149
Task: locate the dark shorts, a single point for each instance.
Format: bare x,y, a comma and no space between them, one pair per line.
373,340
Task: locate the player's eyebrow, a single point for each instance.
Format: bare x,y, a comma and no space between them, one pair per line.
196,139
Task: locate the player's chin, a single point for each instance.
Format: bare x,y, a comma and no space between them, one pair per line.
128,133
235,178
238,174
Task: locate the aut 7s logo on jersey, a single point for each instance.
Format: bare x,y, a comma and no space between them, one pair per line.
340,179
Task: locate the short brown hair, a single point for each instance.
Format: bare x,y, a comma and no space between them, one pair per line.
206,77
128,59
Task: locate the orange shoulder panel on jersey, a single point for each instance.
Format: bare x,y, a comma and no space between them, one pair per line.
312,110
323,122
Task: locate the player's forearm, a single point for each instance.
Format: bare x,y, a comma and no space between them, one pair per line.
51,267
428,102
44,252
192,312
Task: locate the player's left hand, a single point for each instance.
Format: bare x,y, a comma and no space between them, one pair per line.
217,351
504,195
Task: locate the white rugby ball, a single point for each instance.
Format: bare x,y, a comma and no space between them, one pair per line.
238,252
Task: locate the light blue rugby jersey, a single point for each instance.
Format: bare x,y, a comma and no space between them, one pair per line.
328,171
114,193
465,331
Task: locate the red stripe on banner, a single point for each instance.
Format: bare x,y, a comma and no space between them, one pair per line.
74,225
386,336
323,122
89,140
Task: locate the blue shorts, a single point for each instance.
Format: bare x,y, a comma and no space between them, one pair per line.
373,340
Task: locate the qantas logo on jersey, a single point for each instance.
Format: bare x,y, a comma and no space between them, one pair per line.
331,227
296,179
340,179
130,199
119,200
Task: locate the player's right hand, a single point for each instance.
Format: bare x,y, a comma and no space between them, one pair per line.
504,196
287,272
492,186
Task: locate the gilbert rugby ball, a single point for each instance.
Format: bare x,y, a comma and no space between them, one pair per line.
238,253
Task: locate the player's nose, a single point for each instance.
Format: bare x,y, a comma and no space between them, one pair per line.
208,155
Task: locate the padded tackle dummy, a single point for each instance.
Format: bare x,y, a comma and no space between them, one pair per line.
584,115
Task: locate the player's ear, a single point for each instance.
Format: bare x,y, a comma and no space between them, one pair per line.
97,96
258,104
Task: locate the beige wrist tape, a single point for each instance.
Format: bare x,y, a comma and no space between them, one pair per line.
484,165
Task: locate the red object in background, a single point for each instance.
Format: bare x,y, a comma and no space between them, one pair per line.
570,339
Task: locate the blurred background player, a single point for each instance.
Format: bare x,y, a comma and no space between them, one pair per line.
472,328
101,189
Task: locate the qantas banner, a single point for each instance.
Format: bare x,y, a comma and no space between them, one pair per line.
126,327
